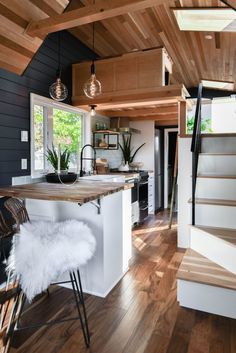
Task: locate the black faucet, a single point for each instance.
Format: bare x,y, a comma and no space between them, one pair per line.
88,159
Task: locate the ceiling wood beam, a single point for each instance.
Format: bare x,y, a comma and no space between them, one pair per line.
102,10
167,123
157,117
142,112
133,98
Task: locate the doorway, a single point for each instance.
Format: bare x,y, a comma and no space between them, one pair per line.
170,136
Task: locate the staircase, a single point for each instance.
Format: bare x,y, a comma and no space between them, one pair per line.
206,279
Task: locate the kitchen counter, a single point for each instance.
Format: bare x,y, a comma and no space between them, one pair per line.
127,175
81,192
109,220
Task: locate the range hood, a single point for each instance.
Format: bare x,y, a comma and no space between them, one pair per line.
121,125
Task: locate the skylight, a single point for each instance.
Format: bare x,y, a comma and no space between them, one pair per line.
206,19
223,85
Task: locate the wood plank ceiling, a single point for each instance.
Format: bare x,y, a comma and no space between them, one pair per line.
16,47
194,56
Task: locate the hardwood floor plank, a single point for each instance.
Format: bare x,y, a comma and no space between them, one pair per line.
140,315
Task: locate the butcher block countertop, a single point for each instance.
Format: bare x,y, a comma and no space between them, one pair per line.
80,192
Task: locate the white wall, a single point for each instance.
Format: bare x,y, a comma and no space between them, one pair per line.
184,191
146,154
224,116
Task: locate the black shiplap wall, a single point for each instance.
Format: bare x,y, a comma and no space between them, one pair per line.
15,98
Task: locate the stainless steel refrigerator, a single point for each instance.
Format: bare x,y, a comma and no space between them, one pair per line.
159,169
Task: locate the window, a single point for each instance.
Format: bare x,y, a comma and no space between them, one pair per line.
218,116
207,20
54,123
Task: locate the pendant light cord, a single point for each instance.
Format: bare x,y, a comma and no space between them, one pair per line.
93,46
59,55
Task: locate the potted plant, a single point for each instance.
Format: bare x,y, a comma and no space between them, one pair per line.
59,160
127,151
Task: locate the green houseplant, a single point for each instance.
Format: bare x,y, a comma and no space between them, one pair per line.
127,150
61,176
52,158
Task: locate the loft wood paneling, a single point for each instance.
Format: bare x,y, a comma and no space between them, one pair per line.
194,56
134,71
15,98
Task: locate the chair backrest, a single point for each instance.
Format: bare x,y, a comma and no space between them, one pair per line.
17,210
5,229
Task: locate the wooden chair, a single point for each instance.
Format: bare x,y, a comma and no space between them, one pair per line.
18,211
20,215
5,229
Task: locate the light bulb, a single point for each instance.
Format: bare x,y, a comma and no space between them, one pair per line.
92,87
93,111
58,90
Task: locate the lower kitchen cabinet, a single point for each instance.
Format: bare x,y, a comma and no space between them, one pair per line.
151,194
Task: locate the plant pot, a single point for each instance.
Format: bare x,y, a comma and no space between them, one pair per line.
124,167
63,178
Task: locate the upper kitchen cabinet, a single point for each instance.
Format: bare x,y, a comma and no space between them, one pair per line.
134,72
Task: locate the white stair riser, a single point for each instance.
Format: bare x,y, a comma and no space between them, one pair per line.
211,188
219,144
211,299
217,164
216,216
214,248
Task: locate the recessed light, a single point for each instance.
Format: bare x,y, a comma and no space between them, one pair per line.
223,85
206,19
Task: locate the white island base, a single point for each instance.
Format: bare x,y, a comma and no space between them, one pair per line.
111,228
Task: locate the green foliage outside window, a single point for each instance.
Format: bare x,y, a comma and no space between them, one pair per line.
205,126
66,130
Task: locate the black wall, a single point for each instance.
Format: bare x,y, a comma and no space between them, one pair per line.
15,98
15,105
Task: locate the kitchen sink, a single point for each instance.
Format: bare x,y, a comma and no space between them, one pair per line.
104,178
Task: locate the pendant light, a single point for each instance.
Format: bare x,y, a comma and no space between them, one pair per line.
92,87
58,91
93,109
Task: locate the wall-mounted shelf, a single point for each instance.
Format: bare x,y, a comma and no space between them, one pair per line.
106,140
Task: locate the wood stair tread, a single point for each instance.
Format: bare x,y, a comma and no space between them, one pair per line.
217,202
226,234
218,153
216,176
197,268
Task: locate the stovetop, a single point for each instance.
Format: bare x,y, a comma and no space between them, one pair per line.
142,173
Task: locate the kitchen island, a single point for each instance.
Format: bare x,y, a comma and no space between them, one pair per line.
104,206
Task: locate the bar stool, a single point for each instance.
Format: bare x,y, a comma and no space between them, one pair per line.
52,237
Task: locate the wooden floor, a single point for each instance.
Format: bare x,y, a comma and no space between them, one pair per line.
141,314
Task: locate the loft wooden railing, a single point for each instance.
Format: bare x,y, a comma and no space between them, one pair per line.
196,148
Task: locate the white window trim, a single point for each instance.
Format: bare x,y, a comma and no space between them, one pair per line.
36,99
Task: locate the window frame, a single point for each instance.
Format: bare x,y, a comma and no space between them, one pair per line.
48,106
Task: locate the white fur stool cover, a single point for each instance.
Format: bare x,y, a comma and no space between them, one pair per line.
43,251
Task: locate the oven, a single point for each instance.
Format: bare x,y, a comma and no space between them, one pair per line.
143,196
134,199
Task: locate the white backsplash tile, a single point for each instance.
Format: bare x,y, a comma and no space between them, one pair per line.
114,157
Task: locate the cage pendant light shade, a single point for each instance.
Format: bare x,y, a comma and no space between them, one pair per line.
58,91
92,87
